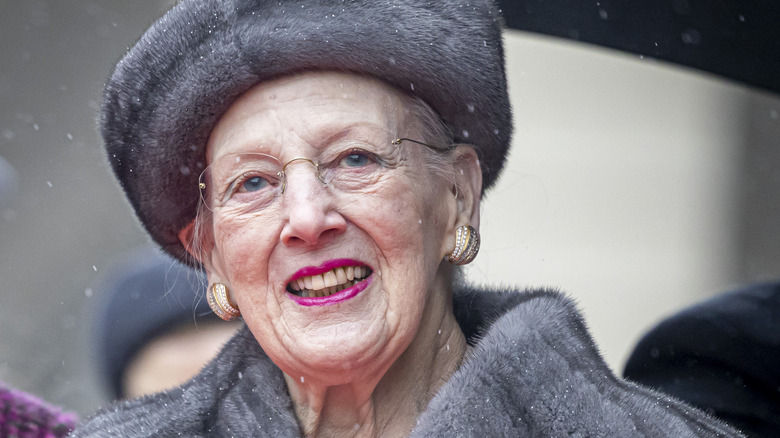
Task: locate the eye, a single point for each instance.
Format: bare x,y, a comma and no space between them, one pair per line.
254,184
357,158
250,182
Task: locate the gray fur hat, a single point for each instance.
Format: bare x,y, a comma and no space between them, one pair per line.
171,88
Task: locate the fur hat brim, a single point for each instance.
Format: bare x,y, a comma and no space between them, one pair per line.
171,88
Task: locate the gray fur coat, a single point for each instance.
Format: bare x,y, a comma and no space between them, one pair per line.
534,372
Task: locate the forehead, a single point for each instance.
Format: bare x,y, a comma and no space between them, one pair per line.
305,108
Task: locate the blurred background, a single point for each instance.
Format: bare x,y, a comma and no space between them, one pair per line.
635,185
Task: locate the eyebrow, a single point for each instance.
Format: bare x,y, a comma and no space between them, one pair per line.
341,131
345,132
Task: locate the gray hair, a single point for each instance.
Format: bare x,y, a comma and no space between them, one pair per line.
435,133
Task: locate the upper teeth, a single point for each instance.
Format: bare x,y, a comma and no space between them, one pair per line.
331,278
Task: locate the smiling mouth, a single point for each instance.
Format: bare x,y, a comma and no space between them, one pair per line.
328,283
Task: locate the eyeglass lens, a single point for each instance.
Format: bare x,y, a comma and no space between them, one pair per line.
253,181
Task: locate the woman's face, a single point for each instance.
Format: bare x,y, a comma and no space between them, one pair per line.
387,232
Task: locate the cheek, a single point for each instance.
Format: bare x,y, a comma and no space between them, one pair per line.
408,221
243,246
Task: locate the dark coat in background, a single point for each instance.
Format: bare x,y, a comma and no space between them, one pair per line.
722,355
534,372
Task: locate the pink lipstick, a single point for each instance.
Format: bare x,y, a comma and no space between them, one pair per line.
337,297
332,282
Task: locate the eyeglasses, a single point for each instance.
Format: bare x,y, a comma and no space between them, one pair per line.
252,182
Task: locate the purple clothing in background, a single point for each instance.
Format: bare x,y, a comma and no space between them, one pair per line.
23,415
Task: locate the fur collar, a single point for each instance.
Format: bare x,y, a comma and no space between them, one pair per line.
534,371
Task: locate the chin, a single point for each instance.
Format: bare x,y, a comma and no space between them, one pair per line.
342,353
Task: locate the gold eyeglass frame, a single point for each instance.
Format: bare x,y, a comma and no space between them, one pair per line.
281,173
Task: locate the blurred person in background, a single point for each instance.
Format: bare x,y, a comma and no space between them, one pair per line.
23,415
324,163
152,328
721,355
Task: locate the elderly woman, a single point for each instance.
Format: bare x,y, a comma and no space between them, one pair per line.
324,163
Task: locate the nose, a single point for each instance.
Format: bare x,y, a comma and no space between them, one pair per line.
311,218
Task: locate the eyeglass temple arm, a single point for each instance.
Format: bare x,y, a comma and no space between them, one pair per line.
447,149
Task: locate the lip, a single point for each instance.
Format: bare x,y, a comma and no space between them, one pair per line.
325,267
338,297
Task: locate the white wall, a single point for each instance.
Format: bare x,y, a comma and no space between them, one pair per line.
620,188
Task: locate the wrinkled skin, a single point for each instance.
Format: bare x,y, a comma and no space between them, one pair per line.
353,362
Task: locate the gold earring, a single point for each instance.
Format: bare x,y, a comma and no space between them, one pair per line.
466,245
217,297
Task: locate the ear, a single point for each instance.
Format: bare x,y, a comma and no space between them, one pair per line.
467,192
200,245
468,185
